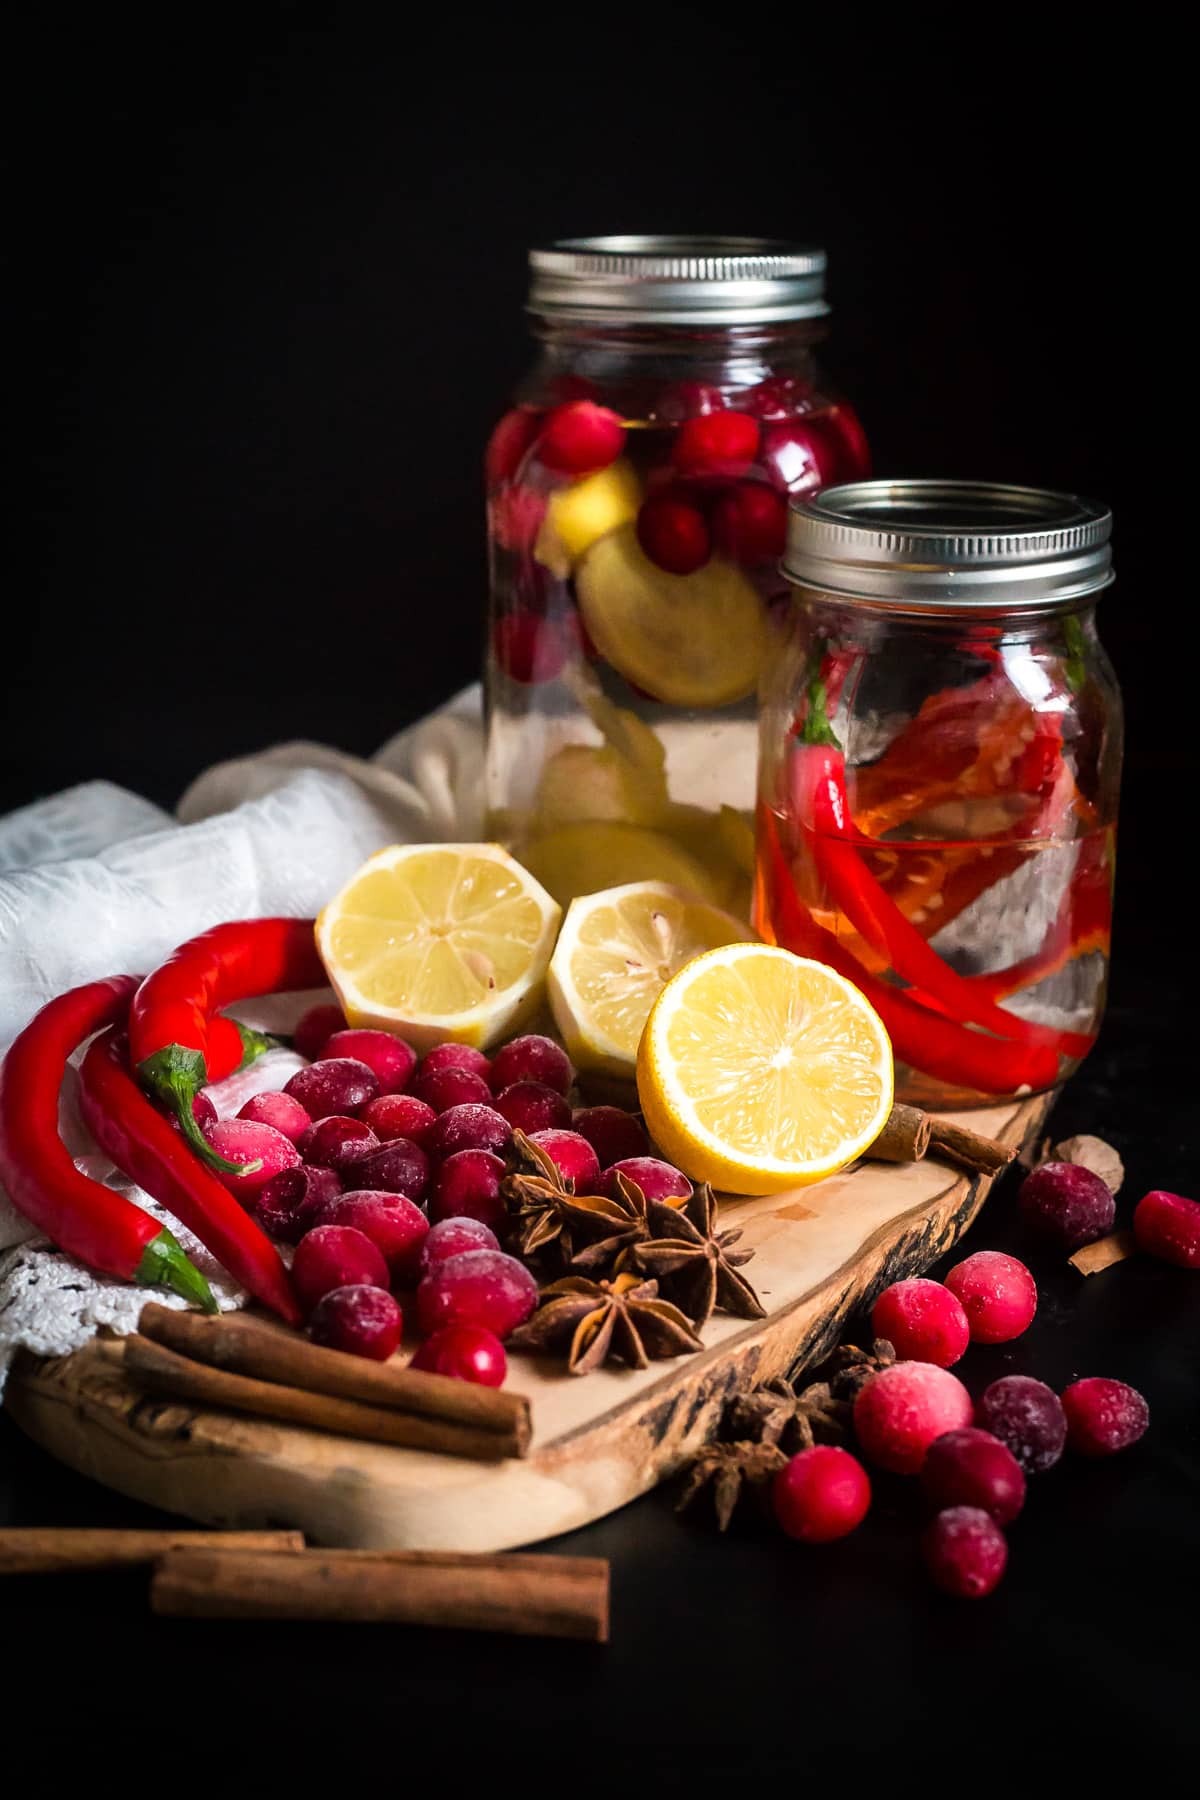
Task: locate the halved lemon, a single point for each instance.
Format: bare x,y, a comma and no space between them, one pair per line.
616,951
759,1070
578,515
438,941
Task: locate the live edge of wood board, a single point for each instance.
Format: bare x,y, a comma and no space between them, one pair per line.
598,1441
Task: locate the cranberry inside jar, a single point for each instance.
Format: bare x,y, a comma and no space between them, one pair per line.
637,514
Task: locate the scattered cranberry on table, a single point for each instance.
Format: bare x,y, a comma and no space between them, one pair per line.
469,1127
333,1256
572,1156
399,1116
970,1467
203,1111
456,1056
531,1106
901,1410
658,1180
292,1201
390,1058
358,1319
339,1085
613,1133
451,1086
1028,1417
1168,1226
465,1353
1103,1416
477,1287
244,1141
467,1185
997,1293
821,1494
329,1141
922,1321
1067,1204
395,1225
315,1030
281,1111
965,1552
531,1058
397,1167
450,1237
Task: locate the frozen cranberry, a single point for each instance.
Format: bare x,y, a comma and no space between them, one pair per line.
515,514
531,1058
528,648
339,1085
716,443
965,1552
444,1088
359,1319
673,534
451,1237
902,1409
1067,1204
333,1256
1028,1417
998,1295
510,441
923,1321
686,400
572,1156
973,1468
330,1142
398,1167
315,1030
658,1180
749,524
247,1142
465,1353
394,1224
391,1059
399,1115
1103,1416
579,438
280,1111
469,1127
821,1494
477,1287
292,1202
531,1106
468,1185
456,1056
798,456
203,1111
1168,1226
613,1133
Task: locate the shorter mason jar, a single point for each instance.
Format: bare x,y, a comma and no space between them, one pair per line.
940,759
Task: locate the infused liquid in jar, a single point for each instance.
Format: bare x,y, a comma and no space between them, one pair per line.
939,770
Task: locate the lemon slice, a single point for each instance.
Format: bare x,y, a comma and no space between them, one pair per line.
759,1070
616,951
690,640
582,858
578,515
439,941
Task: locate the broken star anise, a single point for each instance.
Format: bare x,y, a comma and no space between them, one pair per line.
725,1470
698,1264
595,1320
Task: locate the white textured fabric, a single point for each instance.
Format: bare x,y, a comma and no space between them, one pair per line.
95,881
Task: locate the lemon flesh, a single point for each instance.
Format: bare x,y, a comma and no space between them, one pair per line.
579,515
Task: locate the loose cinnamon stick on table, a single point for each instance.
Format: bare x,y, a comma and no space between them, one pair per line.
905,1137
161,1371
910,1134
52,1550
535,1596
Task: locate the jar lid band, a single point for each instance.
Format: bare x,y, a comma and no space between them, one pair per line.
928,546
677,280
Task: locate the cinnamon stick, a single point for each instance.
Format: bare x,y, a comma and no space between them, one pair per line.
905,1137
243,1346
53,1550
968,1149
535,1596
163,1372
1104,1252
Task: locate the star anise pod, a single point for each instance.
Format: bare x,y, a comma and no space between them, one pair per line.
535,1193
727,1469
615,1224
595,1320
849,1368
697,1262
775,1414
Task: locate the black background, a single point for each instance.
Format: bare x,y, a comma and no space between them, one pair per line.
268,304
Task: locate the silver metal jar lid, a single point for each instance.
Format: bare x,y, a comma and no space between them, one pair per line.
928,546
677,280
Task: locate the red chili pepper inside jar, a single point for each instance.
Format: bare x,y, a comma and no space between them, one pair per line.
637,512
939,769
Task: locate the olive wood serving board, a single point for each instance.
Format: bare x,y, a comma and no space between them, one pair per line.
598,1440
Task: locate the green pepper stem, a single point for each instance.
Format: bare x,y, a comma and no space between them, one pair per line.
817,728
175,1076
165,1264
256,1043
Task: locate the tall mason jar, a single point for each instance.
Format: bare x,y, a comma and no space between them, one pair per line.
939,771
637,512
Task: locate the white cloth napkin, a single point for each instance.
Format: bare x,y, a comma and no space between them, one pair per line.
96,881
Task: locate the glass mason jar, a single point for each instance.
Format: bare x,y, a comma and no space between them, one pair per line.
939,766
637,513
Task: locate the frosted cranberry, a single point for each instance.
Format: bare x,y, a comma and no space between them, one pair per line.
398,1167
468,1185
399,1115
674,535
579,438
998,1295
798,456
1103,1416
444,1088
716,443
339,1085
281,1112
456,1056
749,524
394,1224
612,1132
515,516
531,1058
391,1059
333,1256
469,1127
965,1552
203,1111
451,1237
572,1156
330,1142
292,1202
528,648
923,1321
465,1353
1067,1204
245,1141
902,1409
686,400
361,1320
821,1494
1168,1226
531,1106
973,1468
1028,1417
315,1030
510,441
477,1287
658,1180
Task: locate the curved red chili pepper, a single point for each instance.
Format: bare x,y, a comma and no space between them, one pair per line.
232,1046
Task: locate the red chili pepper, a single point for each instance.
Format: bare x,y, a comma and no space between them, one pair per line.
170,1020
145,1146
82,1217
232,1045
